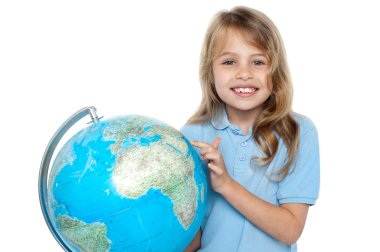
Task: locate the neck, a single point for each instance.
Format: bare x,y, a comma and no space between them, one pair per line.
243,119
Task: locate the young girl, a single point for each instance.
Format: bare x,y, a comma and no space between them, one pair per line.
262,159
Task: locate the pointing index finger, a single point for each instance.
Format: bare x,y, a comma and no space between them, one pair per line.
198,144
216,143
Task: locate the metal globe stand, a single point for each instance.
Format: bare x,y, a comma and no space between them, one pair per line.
45,164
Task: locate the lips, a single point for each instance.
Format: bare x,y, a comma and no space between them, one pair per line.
244,91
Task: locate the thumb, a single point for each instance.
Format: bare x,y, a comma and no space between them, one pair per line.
216,142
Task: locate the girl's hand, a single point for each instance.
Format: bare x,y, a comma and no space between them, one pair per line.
218,172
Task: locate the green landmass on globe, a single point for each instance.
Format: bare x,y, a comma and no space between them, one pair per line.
130,183
88,237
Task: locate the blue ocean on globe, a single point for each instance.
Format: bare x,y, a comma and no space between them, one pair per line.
129,183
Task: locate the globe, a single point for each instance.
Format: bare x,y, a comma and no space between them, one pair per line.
128,183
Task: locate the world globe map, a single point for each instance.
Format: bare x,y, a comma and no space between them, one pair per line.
129,183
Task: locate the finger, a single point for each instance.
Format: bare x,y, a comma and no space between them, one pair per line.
206,149
216,142
199,144
213,167
212,156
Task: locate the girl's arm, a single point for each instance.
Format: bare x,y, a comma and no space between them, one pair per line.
195,243
285,222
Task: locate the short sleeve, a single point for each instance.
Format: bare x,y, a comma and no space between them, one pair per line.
190,131
302,184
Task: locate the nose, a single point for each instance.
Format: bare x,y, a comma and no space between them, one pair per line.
244,73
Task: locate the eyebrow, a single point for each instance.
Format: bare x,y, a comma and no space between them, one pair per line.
255,54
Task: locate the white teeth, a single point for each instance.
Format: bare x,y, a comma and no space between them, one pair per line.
244,90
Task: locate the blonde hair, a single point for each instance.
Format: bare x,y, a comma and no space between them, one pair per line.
276,118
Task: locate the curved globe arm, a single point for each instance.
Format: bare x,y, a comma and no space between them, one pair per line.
45,164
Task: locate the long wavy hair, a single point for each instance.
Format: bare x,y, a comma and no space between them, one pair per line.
276,120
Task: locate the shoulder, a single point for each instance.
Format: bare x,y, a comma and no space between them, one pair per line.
191,129
196,131
301,185
306,125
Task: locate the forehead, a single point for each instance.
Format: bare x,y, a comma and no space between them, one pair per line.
233,39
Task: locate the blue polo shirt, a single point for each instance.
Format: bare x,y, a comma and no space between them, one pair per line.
224,228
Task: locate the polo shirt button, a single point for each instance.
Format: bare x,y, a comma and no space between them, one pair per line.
243,143
242,158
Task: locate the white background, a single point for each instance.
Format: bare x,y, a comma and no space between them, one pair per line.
141,57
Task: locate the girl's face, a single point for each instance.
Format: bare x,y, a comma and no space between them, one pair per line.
240,74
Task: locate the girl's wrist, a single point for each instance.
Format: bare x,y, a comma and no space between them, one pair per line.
227,187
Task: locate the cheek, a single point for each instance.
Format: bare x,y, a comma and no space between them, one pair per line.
266,87
219,89
217,79
269,83
266,83
221,81
266,95
267,90
221,78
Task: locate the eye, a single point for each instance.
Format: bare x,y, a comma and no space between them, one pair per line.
229,62
259,62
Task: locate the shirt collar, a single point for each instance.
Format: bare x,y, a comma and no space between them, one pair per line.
220,119
220,122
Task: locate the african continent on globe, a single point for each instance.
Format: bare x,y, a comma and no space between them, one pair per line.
129,183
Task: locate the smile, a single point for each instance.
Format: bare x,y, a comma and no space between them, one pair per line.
244,90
